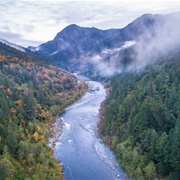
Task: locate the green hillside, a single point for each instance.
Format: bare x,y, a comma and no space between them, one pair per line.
32,94
142,121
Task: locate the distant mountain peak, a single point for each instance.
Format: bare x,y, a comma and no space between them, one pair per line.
72,26
68,31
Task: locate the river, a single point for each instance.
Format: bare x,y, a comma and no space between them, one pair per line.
79,148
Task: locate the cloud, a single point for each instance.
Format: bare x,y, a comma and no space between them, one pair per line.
18,39
159,43
10,36
41,20
155,44
107,63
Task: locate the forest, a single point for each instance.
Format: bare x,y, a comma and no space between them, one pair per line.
32,95
141,121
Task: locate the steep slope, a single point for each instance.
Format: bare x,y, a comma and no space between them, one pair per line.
31,97
9,49
142,121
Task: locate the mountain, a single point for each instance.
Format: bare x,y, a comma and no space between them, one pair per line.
75,47
74,42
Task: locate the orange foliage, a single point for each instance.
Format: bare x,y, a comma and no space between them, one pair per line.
22,122
38,128
41,138
2,58
46,77
13,111
35,136
27,132
18,102
9,91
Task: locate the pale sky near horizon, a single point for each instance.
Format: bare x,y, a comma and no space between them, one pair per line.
32,22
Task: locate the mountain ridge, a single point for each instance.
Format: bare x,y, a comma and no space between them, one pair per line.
18,47
71,47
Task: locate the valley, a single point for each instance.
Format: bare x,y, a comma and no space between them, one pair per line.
139,131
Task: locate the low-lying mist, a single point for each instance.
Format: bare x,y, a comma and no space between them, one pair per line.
158,42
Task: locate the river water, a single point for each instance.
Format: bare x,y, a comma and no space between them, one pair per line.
79,148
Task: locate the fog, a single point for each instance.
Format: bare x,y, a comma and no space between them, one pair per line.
107,63
155,44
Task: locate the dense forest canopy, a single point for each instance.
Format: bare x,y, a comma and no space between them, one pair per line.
142,121
32,94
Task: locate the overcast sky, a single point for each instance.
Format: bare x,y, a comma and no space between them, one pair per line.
32,22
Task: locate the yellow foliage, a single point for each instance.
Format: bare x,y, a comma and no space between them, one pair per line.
42,115
0,139
13,111
18,102
9,91
22,135
38,128
41,138
36,136
19,88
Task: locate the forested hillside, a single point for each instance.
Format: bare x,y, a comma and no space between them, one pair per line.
142,121
32,94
